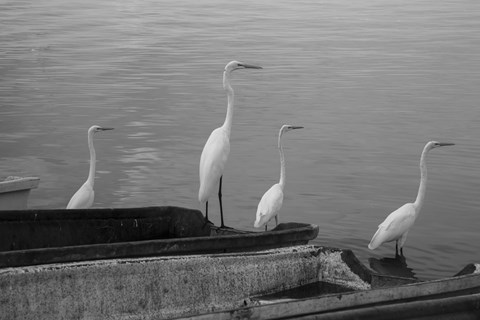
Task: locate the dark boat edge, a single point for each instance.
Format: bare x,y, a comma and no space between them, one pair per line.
213,239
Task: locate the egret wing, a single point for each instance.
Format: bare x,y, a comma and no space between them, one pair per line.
83,198
212,163
269,205
394,226
400,219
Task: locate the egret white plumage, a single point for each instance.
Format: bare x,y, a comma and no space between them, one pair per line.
272,200
83,198
217,148
398,223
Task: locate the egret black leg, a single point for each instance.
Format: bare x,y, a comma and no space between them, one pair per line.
220,201
265,227
206,210
401,251
396,248
206,214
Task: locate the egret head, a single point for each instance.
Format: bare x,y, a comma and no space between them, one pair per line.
435,144
288,127
94,129
235,65
283,129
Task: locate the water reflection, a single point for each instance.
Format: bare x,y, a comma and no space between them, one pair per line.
392,266
141,155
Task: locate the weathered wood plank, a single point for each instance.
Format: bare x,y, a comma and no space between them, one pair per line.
463,285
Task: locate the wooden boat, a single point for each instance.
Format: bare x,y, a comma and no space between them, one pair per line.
14,191
166,262
456,297
32,237
237,285
163,287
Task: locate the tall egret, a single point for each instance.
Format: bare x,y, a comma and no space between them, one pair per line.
217,148
398,223
83,198
272,200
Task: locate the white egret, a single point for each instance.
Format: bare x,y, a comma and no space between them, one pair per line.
217,148
272,200
398,223
83,198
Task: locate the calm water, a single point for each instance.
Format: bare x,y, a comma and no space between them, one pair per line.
371,82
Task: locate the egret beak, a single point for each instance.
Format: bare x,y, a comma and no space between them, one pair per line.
104,129
297,127
442,144
250,66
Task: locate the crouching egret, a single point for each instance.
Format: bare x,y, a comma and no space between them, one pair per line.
83,198
398,223
272,200
217,148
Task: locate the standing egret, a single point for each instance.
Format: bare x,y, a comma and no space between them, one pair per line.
217,148
83,198
272,200
398,223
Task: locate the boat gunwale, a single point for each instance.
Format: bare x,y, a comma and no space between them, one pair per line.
219,240
463,286
82,214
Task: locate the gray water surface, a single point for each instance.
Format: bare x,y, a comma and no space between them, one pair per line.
371,82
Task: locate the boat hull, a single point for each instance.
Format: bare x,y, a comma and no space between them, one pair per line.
456,297
163,287
229,286
14,192
32,237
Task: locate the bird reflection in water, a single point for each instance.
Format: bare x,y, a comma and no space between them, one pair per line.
392,266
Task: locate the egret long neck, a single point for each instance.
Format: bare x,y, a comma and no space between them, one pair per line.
227,125
423,181
282,162
93,159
